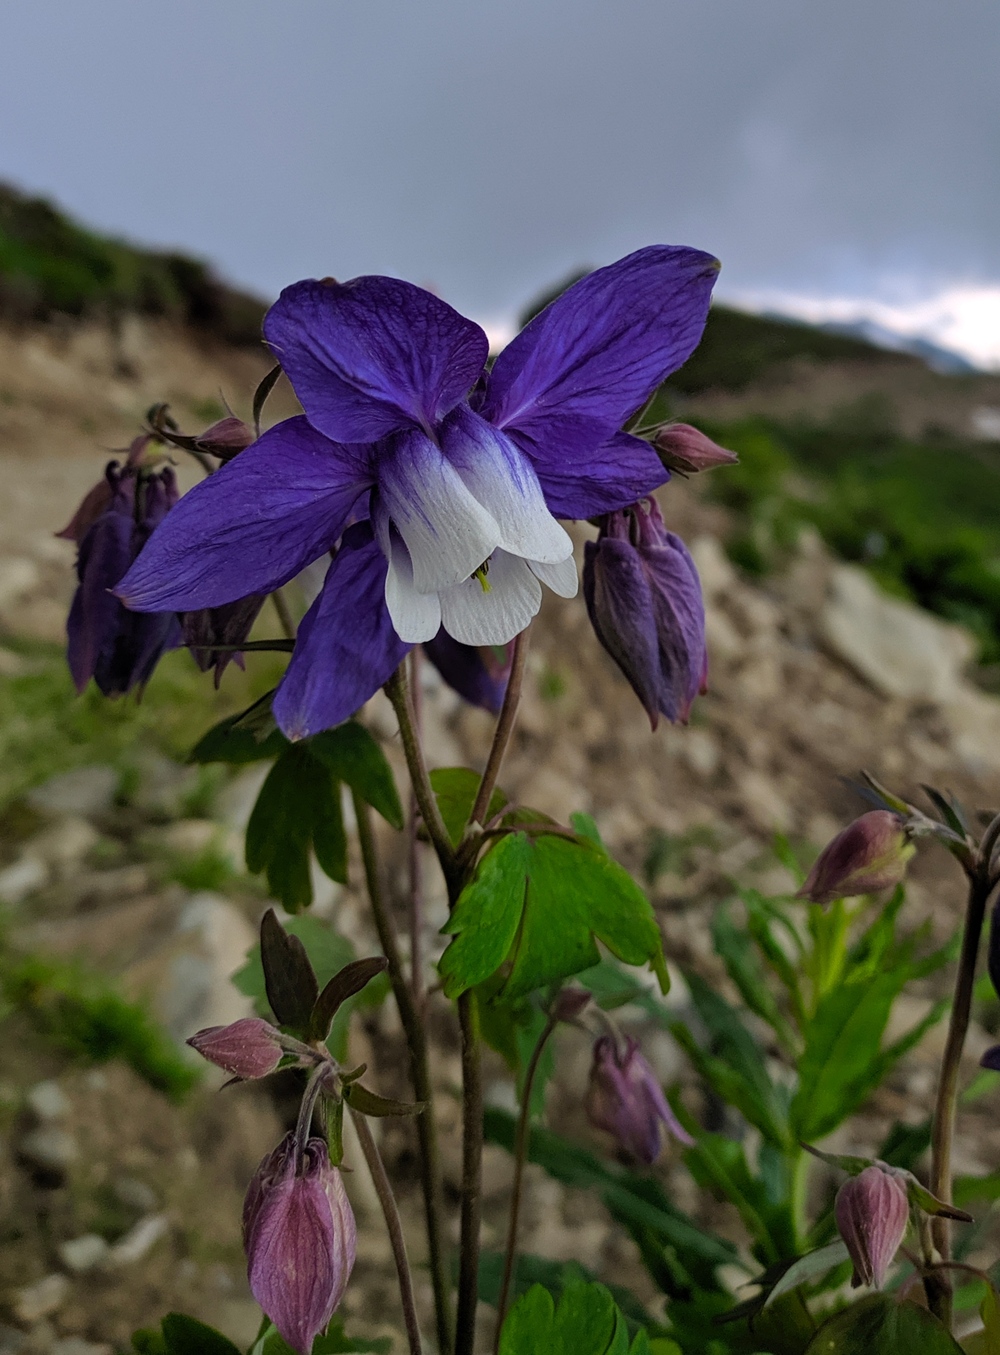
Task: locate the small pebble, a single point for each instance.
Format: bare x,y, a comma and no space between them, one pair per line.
138,1241
47,1101
135,1194
12,1341
76,1345
53,1150
36,1301
83,1253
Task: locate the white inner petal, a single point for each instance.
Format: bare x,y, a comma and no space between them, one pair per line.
447,531
503,480
475,617
562,578
415,616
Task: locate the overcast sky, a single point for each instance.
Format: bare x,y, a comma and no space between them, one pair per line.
822,148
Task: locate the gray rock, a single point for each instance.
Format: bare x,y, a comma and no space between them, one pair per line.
84,791
47,1101
76,1345
22,878
35,1301
137,1241
212,941
63,846
12,1340
51,1149
135,1194
898,649
83,1253
162,785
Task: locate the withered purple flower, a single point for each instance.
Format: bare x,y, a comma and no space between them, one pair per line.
872,1210
644,598
300,1239
212,626
248,1048
625,1099
116,647
867,856
457,475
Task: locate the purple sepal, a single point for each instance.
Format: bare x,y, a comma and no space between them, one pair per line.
867,856
253,525
373,355
586,484
300,1239
872,1210
644,599
478,674
247,1048
991,1059
117,648
227,625
592,358
625,1099
346,646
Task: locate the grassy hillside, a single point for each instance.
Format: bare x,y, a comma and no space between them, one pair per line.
50,265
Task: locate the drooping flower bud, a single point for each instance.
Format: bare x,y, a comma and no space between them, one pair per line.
300,1239
625,1099
225,438
227,625
644,599
869,855
688,450
479,675
117,648
569,1003
872,1210
248,1048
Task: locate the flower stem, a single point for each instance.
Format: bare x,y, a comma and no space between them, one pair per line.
416,1041
472,1161
413,851
504,729
284,614
398,691
938,1287
395,1228
520,1154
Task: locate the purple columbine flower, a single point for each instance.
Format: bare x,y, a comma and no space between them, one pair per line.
116,647
867,856
300,1239
625,1099
872,1210
458,476
478,674
248,1048
644,598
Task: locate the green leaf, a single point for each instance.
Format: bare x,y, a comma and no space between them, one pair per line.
555,1276
185,1336
541,907
455,789
250,736
335,1342
297,811
720,1164
878,1325
354,757
289,980
733,945
344,984
513,1028
370,1103
586,1322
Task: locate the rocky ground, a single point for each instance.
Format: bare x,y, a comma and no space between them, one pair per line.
116,1204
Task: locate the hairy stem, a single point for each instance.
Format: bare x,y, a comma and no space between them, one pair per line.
416,1041
398,691
472,1161
413,851
520,1155
938,1286
395,1229
503,731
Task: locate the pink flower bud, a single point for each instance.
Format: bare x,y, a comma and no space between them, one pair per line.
872,1210
300,1239
625,1099
247,1048
688,450
225,438
569,1003
870,854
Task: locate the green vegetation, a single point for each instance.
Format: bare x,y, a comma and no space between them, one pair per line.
50,265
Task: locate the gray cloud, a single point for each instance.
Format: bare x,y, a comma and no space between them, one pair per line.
486,148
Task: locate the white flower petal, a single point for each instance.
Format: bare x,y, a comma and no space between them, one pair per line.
447,532
503,480
475,617
415,616
562,578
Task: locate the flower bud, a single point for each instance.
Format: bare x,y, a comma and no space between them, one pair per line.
248,1048
869,855
872,1210
644,599
225,438
625,1099
688,450
229,624
300,1239
569,1003
478,674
